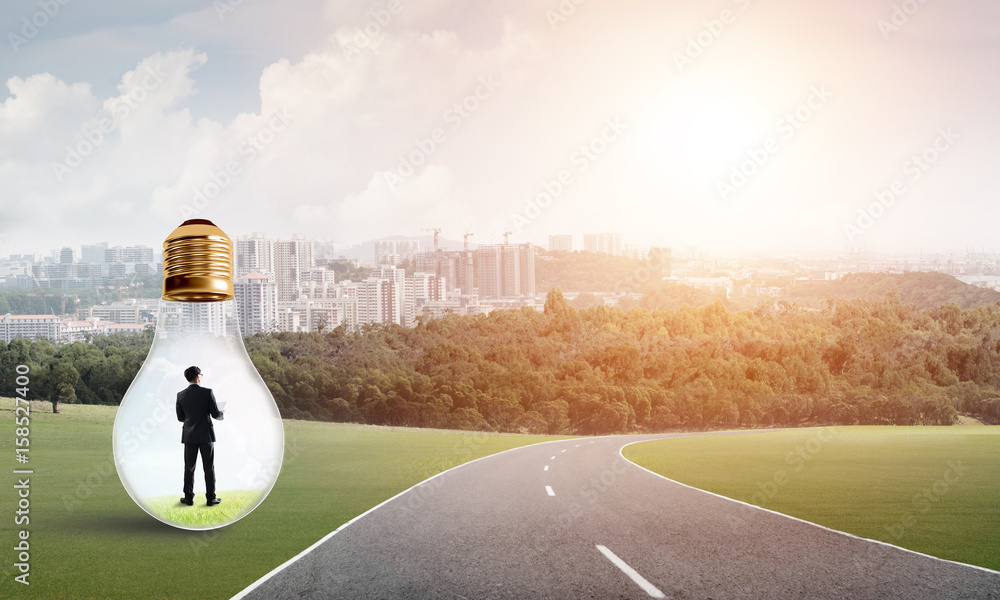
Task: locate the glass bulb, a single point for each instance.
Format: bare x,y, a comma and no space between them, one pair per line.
249,439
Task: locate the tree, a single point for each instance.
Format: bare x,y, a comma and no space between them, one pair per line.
585,300
622,362
61,380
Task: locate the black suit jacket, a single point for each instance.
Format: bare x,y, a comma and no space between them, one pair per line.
195,408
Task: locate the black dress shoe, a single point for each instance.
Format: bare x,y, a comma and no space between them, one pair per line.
188,501
213,502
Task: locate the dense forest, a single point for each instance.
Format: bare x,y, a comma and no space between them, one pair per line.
600,370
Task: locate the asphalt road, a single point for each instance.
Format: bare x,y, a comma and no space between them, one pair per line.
572,519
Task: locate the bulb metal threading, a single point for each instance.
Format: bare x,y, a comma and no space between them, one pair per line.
197,263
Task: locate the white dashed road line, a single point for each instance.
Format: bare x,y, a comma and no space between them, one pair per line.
647,587
548,490
546,468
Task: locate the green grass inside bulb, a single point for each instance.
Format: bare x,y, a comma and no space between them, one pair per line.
235,503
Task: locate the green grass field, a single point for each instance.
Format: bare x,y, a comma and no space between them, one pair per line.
200,515
935,490
89,540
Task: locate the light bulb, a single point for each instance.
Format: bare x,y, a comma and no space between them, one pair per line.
197,326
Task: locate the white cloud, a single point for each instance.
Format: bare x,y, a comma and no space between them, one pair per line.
352,115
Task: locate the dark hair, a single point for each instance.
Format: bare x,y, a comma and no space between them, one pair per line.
191,373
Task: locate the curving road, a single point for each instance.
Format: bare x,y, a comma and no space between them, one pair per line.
573,519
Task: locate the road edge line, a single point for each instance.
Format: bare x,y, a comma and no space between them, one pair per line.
242,593
774,512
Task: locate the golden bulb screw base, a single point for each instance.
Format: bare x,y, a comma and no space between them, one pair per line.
197,263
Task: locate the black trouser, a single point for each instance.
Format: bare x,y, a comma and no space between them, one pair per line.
207,464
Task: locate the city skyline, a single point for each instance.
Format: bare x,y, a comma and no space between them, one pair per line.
578,245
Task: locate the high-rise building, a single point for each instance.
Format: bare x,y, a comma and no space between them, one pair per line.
256,298
123,261
527,274
289,319
118,312
318,275
605,243
393,252
291,259
421,289
129,254
254,253
455,266
59,275
376,301
307,315
66,256
561,243
506,270
402,304
186,318
94,253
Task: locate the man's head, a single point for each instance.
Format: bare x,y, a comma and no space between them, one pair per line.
192,374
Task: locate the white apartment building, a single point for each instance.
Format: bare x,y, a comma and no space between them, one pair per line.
292,258
254,253
422,288
32,327
256,298
118,312
377,302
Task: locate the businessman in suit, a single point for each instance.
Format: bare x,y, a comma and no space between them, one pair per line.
196,407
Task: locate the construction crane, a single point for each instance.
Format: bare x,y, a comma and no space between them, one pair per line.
465,241
506,237
437,234
437,250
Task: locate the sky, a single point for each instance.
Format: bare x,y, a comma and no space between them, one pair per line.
734,125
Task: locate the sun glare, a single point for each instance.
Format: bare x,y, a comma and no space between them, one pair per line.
699,131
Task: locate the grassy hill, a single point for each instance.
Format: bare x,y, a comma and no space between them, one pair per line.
929,489
89,540
926,290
